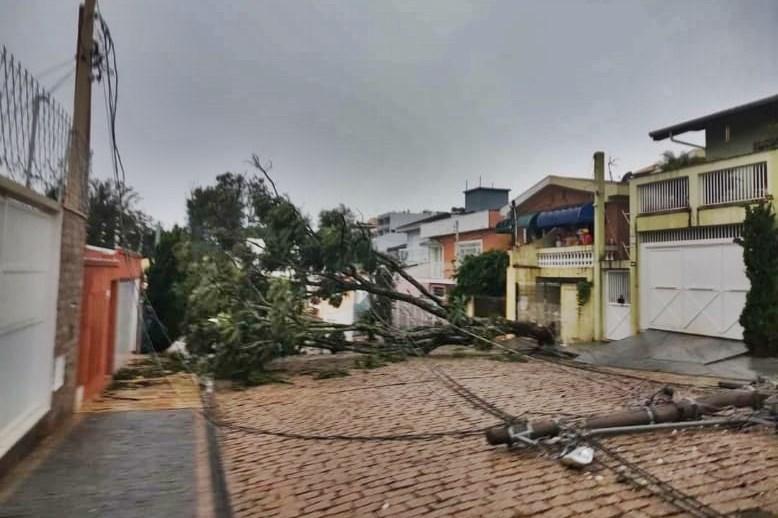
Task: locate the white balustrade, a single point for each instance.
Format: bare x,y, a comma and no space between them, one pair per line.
572,256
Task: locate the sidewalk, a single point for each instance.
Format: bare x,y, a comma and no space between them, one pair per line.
139,451
680,354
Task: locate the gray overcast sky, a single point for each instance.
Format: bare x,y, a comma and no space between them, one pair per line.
394,105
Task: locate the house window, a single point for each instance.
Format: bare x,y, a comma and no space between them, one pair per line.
618,287
727,134
439,291
467,248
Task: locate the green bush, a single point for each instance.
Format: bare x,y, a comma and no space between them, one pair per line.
760,254
482,274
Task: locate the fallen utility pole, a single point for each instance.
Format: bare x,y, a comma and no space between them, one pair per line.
649,417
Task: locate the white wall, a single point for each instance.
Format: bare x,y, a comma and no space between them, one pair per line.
351,307
456,223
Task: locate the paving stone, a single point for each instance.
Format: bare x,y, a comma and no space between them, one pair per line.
465,477
117,464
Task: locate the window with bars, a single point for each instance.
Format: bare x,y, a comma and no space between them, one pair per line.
663,195
618,287
735,184
692,234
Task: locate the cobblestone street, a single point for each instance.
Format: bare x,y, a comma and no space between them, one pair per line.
464,476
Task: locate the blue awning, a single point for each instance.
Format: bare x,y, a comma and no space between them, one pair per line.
571,216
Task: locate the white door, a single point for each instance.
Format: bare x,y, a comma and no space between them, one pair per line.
436,262
29,273
617,305
696,287
126,337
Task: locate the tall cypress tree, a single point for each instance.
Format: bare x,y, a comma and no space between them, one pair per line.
760,254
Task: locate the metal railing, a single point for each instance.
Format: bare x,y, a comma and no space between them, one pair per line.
34,130
572,256
663,195
735,184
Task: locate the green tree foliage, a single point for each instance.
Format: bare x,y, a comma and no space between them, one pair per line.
218,213
166,278
760,254
255,263
114,221
671,161
482,274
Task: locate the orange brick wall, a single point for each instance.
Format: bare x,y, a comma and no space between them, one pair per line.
489,241
555,197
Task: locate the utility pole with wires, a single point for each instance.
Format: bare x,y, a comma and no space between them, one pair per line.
75,203
80,136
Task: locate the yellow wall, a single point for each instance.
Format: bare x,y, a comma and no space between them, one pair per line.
577,322
694,216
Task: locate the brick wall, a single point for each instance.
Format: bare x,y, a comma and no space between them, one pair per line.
489,241
555,197
71,276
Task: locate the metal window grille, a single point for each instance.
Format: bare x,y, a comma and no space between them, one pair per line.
618,287
663,195
692,234
735,184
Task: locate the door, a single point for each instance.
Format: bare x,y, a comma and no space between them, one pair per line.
126,337
694,287
29,273
436,261
617,305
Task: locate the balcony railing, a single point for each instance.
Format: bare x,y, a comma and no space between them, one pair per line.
571,256
664,195
736,184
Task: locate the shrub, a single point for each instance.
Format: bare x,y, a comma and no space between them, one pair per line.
760,254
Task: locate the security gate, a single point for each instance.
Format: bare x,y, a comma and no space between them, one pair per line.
617,305
694,287
29,272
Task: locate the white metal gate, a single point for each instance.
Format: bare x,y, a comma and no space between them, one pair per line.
126,332
694,287
617,305
29,272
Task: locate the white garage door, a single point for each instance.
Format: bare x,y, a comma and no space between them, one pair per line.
694,287
29,269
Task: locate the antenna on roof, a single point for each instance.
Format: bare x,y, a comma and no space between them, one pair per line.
479,180
465,184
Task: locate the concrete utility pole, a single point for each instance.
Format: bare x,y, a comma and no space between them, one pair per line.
80,135
599,243
73,237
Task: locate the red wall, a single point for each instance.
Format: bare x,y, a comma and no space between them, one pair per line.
102,271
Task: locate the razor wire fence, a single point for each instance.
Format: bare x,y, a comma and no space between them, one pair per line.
34,130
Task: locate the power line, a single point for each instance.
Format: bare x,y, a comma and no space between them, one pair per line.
55,67
61,81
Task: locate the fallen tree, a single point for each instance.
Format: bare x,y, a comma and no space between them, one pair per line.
251,288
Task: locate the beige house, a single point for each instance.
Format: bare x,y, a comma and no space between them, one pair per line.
552,276
685,266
